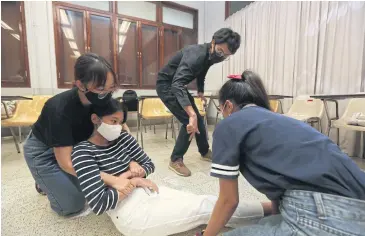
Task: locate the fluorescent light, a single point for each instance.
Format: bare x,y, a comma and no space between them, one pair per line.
77,53
16,36
64,18
5,26
73,45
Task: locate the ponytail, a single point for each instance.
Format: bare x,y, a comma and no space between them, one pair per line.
245,89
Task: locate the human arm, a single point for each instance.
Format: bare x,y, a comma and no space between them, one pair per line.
225,166
225,206
185,73
98,194
63,157
136,154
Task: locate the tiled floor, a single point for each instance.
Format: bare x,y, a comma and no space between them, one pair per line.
25,212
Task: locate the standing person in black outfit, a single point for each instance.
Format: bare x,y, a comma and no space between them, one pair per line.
64,122
189,63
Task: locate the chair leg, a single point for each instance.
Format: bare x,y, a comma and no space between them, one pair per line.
320,125
338,137
363,144
206,126
15,141
154,129
20,134
142,134
216,120
173,128
167,127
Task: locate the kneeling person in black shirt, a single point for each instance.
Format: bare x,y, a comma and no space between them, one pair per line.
63,122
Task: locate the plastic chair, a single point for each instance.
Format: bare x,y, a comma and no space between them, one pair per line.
274,105
153,109
355,105
307,109
26,114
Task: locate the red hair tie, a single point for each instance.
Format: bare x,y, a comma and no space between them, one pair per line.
234,77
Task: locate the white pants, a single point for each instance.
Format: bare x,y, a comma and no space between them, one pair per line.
173,211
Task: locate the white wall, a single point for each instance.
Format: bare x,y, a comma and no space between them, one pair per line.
41,46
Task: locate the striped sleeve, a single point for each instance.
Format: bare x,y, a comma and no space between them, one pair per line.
226,153
137,154
99,196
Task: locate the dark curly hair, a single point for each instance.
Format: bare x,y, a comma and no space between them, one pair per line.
226,35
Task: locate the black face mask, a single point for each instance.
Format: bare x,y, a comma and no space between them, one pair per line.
95,100
214,57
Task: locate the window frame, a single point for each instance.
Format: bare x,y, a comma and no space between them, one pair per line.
23,54
115,17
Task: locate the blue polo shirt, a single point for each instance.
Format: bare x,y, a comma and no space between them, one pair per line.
276,153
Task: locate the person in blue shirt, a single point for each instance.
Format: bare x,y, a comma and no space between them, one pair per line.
318,189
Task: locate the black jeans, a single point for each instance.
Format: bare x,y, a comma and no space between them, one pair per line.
182,142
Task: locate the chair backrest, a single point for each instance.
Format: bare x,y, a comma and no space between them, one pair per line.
130,99
355,105
199,104
153,107
274,105
39,102
307,106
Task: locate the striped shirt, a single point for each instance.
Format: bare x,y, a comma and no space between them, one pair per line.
89,159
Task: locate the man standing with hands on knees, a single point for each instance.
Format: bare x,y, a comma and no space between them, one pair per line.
189,63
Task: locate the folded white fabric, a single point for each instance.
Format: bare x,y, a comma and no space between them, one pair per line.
357,119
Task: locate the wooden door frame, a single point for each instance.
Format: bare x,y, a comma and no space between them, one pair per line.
23,54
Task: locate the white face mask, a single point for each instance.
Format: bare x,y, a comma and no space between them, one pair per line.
109,132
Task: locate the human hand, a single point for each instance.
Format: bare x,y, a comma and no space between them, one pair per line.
146,183
136,169
192,127
126,175
124,186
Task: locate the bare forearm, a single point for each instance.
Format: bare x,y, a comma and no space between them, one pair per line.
108,179
222,212
190,111
68,169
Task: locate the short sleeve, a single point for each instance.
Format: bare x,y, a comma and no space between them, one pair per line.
226,152
57,128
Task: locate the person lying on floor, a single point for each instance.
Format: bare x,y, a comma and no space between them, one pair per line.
135,204
320,189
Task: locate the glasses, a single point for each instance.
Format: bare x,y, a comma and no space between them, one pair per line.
221,54
104,93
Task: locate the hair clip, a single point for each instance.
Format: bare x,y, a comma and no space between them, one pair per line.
234,77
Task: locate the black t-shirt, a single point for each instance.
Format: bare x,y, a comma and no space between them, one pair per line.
64,121
276,153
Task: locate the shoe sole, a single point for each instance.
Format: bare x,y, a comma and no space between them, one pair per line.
176,172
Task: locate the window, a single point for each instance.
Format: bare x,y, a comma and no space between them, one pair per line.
137,38
14,55
139,9
234,6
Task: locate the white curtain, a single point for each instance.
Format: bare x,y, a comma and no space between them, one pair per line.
303,48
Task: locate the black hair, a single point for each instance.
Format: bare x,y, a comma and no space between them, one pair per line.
226,35
247,90
93,68
110,108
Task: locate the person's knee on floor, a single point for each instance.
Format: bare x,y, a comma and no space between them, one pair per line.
75,205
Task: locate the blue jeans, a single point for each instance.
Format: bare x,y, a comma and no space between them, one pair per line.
62,189
313,214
